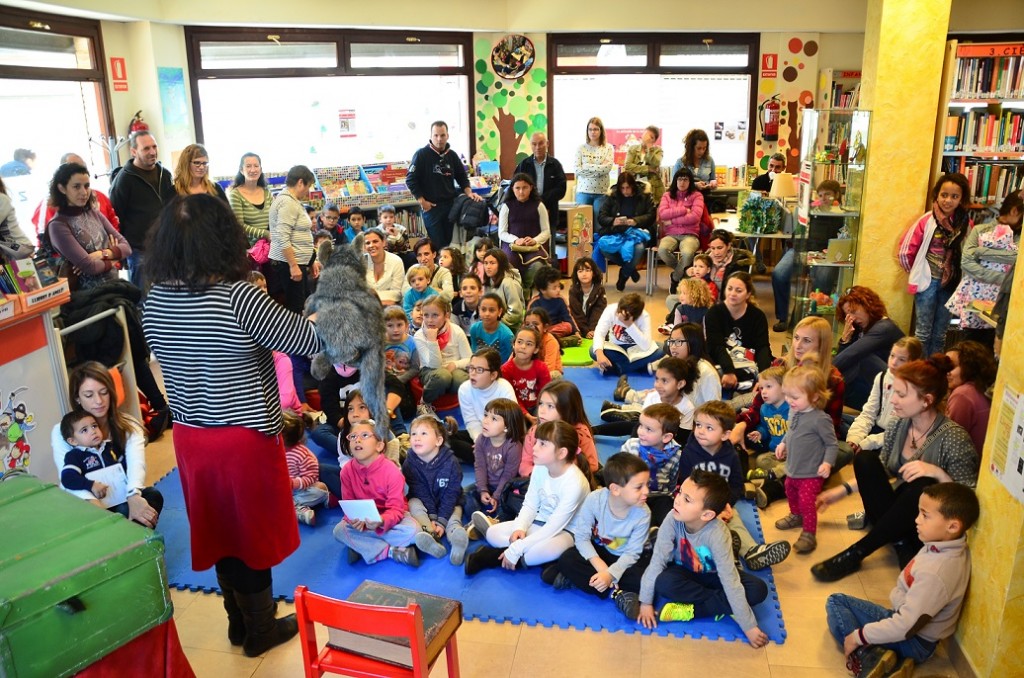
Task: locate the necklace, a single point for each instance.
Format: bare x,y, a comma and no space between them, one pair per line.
914,438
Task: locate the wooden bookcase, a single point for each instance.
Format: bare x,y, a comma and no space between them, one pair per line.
838,88
979,130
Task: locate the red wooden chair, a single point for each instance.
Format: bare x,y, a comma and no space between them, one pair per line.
403,651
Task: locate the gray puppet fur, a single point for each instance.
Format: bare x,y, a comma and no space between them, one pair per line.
350,322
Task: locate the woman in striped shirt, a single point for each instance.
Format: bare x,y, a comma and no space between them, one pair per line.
213,334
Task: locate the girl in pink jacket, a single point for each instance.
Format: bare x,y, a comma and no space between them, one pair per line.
680,213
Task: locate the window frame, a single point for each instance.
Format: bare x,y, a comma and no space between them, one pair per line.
343,40
89,29
654,43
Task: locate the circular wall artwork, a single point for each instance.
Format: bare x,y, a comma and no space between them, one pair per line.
513,56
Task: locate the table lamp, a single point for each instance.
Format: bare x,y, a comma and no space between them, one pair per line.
783,187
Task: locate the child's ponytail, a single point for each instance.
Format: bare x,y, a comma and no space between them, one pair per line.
562,434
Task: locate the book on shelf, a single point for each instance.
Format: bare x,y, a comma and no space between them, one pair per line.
989,180
23,273
984,131
987,77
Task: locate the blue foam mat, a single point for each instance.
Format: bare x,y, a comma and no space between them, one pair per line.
520,597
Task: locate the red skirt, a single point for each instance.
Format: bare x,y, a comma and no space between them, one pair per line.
237,494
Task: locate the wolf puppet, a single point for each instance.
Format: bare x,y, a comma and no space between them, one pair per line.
350,322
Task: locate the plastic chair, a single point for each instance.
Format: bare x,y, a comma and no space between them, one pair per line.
400,623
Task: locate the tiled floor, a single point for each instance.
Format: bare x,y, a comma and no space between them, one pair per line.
493,650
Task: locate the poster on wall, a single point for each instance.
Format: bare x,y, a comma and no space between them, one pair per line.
30,408
1007,462
346,123
623,138
174,105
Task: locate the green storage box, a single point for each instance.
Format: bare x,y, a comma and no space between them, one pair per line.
76,582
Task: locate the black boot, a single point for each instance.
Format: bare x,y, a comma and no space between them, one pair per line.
263,631
773,490
236,623
840,565
484,558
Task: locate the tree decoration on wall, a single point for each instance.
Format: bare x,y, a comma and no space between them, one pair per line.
508,111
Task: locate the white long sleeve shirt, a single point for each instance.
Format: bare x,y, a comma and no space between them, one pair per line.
552,501
635,340
473,402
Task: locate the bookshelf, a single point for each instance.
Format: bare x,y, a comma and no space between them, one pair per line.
838,88
980,129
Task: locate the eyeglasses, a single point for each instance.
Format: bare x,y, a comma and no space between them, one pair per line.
673,343
473,369
365,435
200,163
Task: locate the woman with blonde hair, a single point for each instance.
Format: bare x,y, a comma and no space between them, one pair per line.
192,173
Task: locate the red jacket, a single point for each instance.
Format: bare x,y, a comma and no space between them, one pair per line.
382,482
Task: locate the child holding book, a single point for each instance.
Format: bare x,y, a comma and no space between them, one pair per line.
397,237
539,533
550,349
692,563
443,350
709,449
434,477
466,304
809,448
548,283
622,338
928,596
419,288
496,453
489,331
372,476
303,470
609,534
524,370
587,299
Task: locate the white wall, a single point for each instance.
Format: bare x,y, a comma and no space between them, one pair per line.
841,50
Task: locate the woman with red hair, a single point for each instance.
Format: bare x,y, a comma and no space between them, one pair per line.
868,336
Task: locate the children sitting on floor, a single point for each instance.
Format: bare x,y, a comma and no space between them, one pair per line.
466,304
709,449
622,339
609,533
550,349
524,370
419,288
372,476
484,384
303,470
867,432
489,331
497,453
548,282
587,299
655,444
774,422
927,598
443,349
434,477
701,270
692,563
561,401
674,380
539,533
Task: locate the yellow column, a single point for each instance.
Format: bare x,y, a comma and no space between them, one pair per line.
904,43
992,624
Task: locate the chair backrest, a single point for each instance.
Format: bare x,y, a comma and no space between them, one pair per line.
394,622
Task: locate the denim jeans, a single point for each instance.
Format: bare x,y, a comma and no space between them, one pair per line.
439,226
595,200
621,363
846,614
822,278
932,317
136,261
628,267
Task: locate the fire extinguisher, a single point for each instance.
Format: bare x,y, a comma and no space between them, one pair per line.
769,117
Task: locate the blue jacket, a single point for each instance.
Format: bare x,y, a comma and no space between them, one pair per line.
438,484
557,310
774,424
725,463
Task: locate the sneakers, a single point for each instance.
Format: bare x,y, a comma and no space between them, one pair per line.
482,522
676,612
761,556
621,389
666,329
871,661
426,542
426,410
780,326
306,515
789,522
736,543
838,566
405,555
609,405
472,533
805,543
628,603
856,521
552,576
756,474
620,415
459,540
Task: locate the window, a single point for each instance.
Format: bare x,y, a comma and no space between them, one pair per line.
52,102
326,98
677,81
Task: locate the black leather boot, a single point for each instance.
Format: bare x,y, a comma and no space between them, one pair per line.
236,623
263,631
484,558
840,565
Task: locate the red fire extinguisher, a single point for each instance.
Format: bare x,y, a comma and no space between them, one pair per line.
769,117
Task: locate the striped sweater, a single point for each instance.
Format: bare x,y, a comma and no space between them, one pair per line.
302,467
215,352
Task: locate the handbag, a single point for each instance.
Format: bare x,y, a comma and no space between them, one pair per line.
260,251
